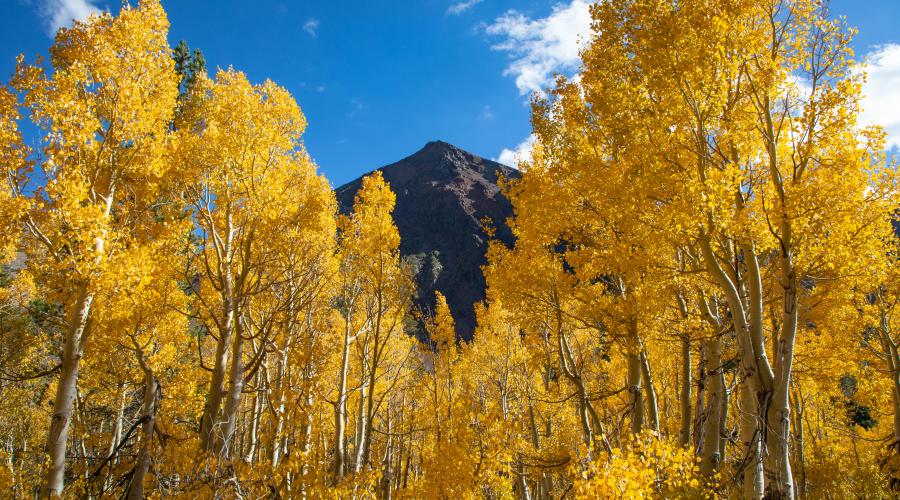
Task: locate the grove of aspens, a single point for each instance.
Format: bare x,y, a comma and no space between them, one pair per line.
702,300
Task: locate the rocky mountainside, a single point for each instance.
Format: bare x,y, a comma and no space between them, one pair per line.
443,194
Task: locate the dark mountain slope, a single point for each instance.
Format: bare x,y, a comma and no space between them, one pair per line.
443,194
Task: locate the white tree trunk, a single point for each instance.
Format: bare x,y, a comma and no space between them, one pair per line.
58,436
710,458
340,406
148,422
236,387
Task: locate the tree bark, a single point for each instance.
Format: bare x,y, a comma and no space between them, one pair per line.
209,421
58,436
148,422
710,458
684,435
650,393
236,387
752,461
340,406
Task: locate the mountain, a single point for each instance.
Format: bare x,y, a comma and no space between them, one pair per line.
443,194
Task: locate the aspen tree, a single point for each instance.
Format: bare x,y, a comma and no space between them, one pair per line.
104,111
253,180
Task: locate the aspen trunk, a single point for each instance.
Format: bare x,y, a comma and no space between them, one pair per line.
684,435
362,420
258,402
521,485
893,361
58,436
148,422
895,397
802,490
306,442
752,463
777,414
588,417
710,458
363,458
117,425
701,398
278,430
650,393
209,421
635,399
779,476
723,417
340,406
756,371
236,386
387,463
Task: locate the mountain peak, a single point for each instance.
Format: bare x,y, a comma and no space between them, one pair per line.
443,195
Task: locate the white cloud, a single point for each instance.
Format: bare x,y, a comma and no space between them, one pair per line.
486,113
60,13
512,157
311,26
881,104
458,8
541,47
357,107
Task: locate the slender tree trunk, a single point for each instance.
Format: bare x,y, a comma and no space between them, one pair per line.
779,476
362,416
210,419
893,364
752,461
148,422
724,433
209,423
635,399
258,402
649,393
684,435
58,436
363,459
521,489
756,371
387,462
226,447
277,444
340,406
568,370
802,490
700,405
710,458
117,425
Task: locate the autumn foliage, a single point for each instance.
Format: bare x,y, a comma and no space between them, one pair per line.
701,300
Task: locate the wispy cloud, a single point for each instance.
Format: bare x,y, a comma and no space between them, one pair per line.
522,152
881,104
357,107
311,27
538,48
59,13
460,7
486,113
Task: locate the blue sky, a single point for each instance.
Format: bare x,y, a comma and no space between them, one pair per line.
378,79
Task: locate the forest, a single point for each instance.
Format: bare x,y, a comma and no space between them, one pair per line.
702,300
